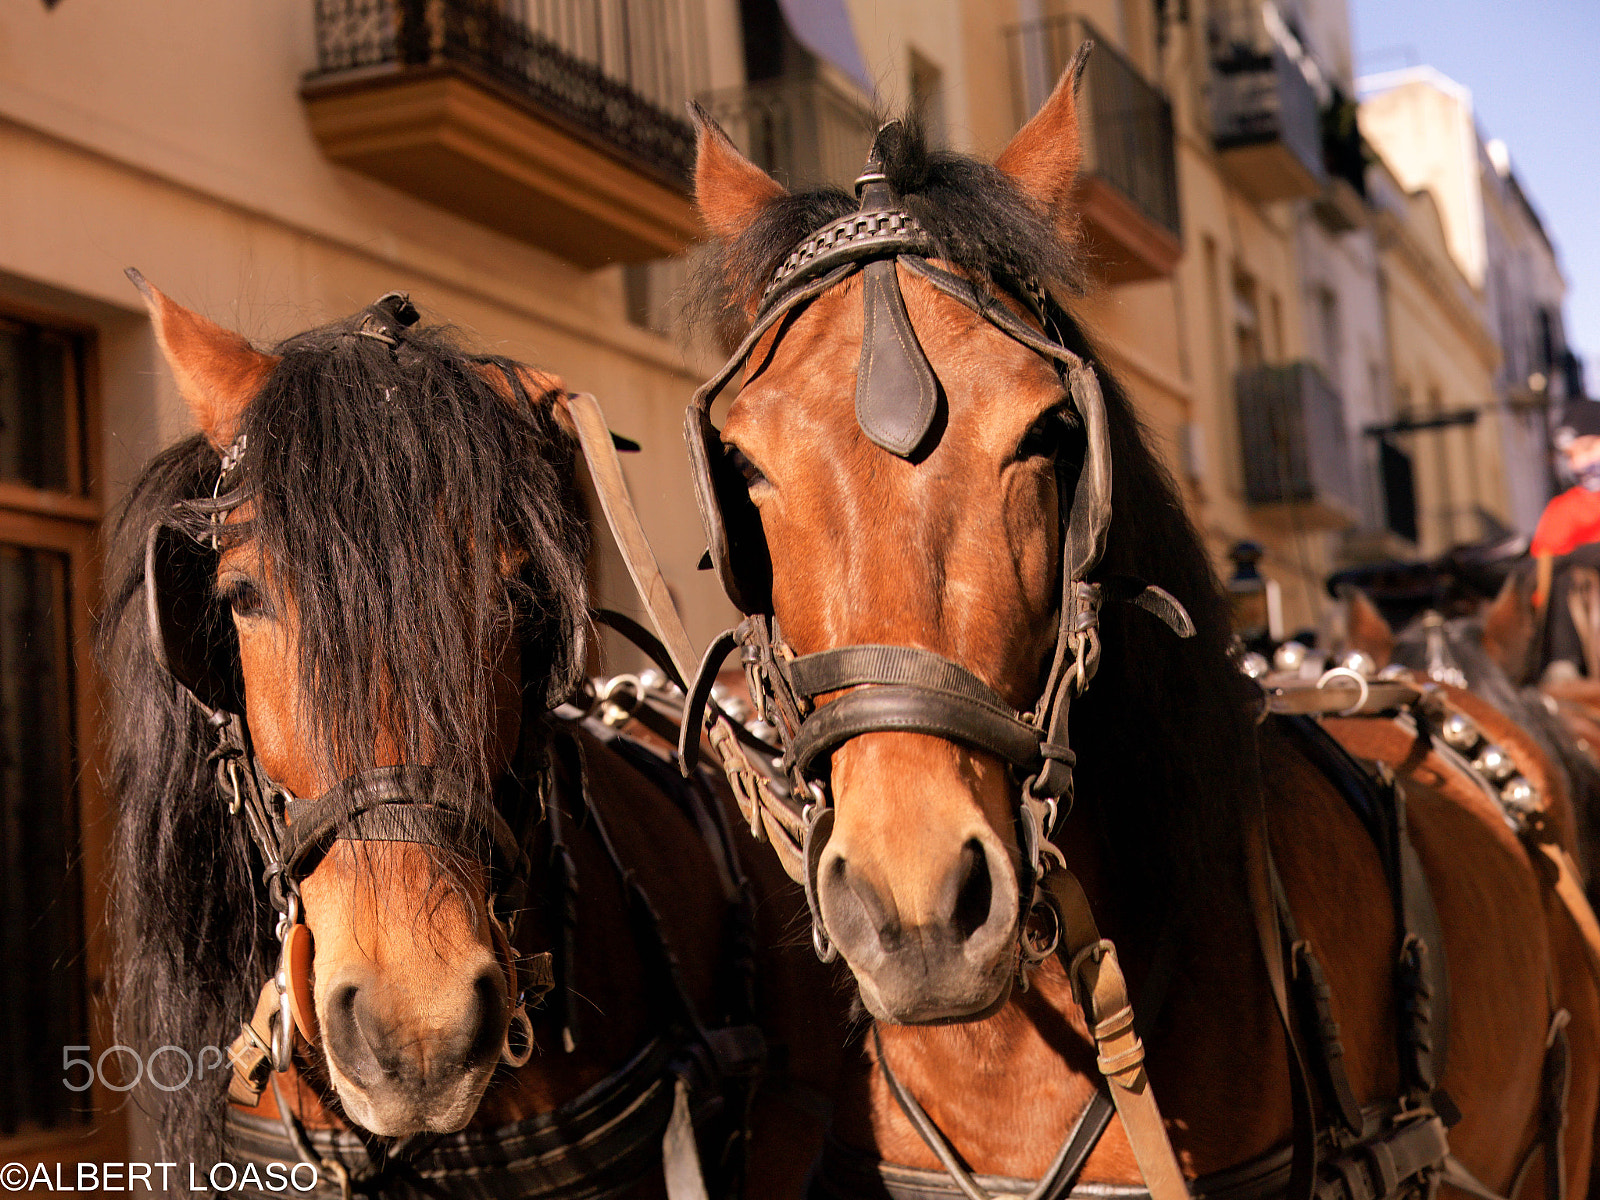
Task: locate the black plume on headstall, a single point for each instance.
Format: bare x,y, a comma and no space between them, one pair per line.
387,317
897,391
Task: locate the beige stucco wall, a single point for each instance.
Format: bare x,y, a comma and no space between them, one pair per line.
178,143
1444,362
1422,124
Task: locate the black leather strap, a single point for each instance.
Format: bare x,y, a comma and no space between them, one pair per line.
1423,974
914,710
411,802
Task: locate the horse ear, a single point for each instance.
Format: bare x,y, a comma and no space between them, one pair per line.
1508,624
541,387
1046,152
218,371
1366,628
536,384
729,189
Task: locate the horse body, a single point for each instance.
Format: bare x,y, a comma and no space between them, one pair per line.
383,605
955,546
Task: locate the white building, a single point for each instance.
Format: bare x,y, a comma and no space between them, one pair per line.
1422,123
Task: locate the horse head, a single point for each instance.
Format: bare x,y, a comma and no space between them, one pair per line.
914,484
388,558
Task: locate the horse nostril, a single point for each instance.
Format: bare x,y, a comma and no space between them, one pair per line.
350,1036
974,890
486,1023
874,912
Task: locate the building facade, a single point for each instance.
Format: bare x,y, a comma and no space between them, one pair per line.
1422,127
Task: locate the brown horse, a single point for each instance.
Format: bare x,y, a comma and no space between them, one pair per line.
1549,730
915,436
341,617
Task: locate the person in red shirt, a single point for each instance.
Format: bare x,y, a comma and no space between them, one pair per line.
1570,521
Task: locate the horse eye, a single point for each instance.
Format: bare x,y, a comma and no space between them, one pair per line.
747,470
244,599
1043,439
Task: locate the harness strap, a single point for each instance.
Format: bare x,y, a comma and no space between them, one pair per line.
1102,993
913,710
750,786
1422,972
382,804
850,666
251,1053
1057,1180
1267,905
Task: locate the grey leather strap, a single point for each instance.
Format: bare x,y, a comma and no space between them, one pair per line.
851,666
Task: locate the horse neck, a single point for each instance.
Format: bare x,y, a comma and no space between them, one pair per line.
604,981
1006,1088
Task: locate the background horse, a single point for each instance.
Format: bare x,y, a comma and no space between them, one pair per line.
954,545
391,590
1477,650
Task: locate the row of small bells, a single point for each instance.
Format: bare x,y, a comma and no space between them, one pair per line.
1492,762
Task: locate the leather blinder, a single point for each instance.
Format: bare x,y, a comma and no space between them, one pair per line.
897,392
735,541
190,632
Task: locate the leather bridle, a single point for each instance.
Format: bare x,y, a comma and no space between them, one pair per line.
901,688
403,803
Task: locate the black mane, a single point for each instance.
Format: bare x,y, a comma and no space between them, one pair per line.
392,489
1165,734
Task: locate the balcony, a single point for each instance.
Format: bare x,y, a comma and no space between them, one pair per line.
1128,186
560,125
802,132
1342,205
1265,120
1296,450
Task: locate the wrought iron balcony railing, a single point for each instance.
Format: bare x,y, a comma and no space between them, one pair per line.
558,122
1130,171
1296,448
803,132
1125,122
1265,119
616,71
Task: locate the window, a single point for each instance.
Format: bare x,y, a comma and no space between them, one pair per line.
1247,341
1329,334
52,822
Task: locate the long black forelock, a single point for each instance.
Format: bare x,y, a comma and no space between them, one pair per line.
393,488
979,218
